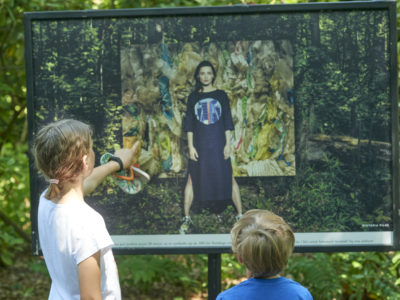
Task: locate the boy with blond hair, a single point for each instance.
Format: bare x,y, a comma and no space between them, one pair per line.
263,242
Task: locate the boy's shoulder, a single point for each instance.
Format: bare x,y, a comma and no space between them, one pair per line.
296,288
279,288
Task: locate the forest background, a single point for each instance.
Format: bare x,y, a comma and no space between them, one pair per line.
365,275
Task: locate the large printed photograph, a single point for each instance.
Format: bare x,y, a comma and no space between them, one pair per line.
290,112
256,77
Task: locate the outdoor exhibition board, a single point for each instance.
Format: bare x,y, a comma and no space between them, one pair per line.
312,92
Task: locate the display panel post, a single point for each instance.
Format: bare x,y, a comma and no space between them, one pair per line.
214,275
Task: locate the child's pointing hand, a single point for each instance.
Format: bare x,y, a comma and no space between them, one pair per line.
127,155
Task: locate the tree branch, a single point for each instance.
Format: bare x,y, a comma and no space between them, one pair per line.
15,226
5,133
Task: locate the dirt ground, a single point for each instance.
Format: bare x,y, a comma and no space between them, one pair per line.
25,279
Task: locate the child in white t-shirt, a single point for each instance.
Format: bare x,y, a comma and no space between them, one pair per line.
75,242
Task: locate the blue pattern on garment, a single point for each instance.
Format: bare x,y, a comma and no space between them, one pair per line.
208,111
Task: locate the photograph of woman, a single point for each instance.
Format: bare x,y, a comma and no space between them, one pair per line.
209,117
208,124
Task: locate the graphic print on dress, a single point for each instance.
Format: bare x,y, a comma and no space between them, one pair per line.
208,111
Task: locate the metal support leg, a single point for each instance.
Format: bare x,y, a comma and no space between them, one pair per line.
214,275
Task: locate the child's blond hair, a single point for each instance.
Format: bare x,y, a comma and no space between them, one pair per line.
263,241
58,151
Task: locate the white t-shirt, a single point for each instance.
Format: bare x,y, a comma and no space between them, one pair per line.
70,233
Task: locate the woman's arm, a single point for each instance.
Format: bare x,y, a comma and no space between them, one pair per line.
192,150
101,172
227,148
89,278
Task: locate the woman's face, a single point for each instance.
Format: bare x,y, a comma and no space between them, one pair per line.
206,76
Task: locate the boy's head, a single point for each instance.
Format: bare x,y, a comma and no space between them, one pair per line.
263,242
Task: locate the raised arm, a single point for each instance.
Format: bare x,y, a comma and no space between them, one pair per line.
101,172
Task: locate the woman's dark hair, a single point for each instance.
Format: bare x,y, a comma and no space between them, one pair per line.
205,63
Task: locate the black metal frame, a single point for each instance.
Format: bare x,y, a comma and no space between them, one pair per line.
221,10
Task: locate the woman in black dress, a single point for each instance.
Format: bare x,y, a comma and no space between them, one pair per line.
208,123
